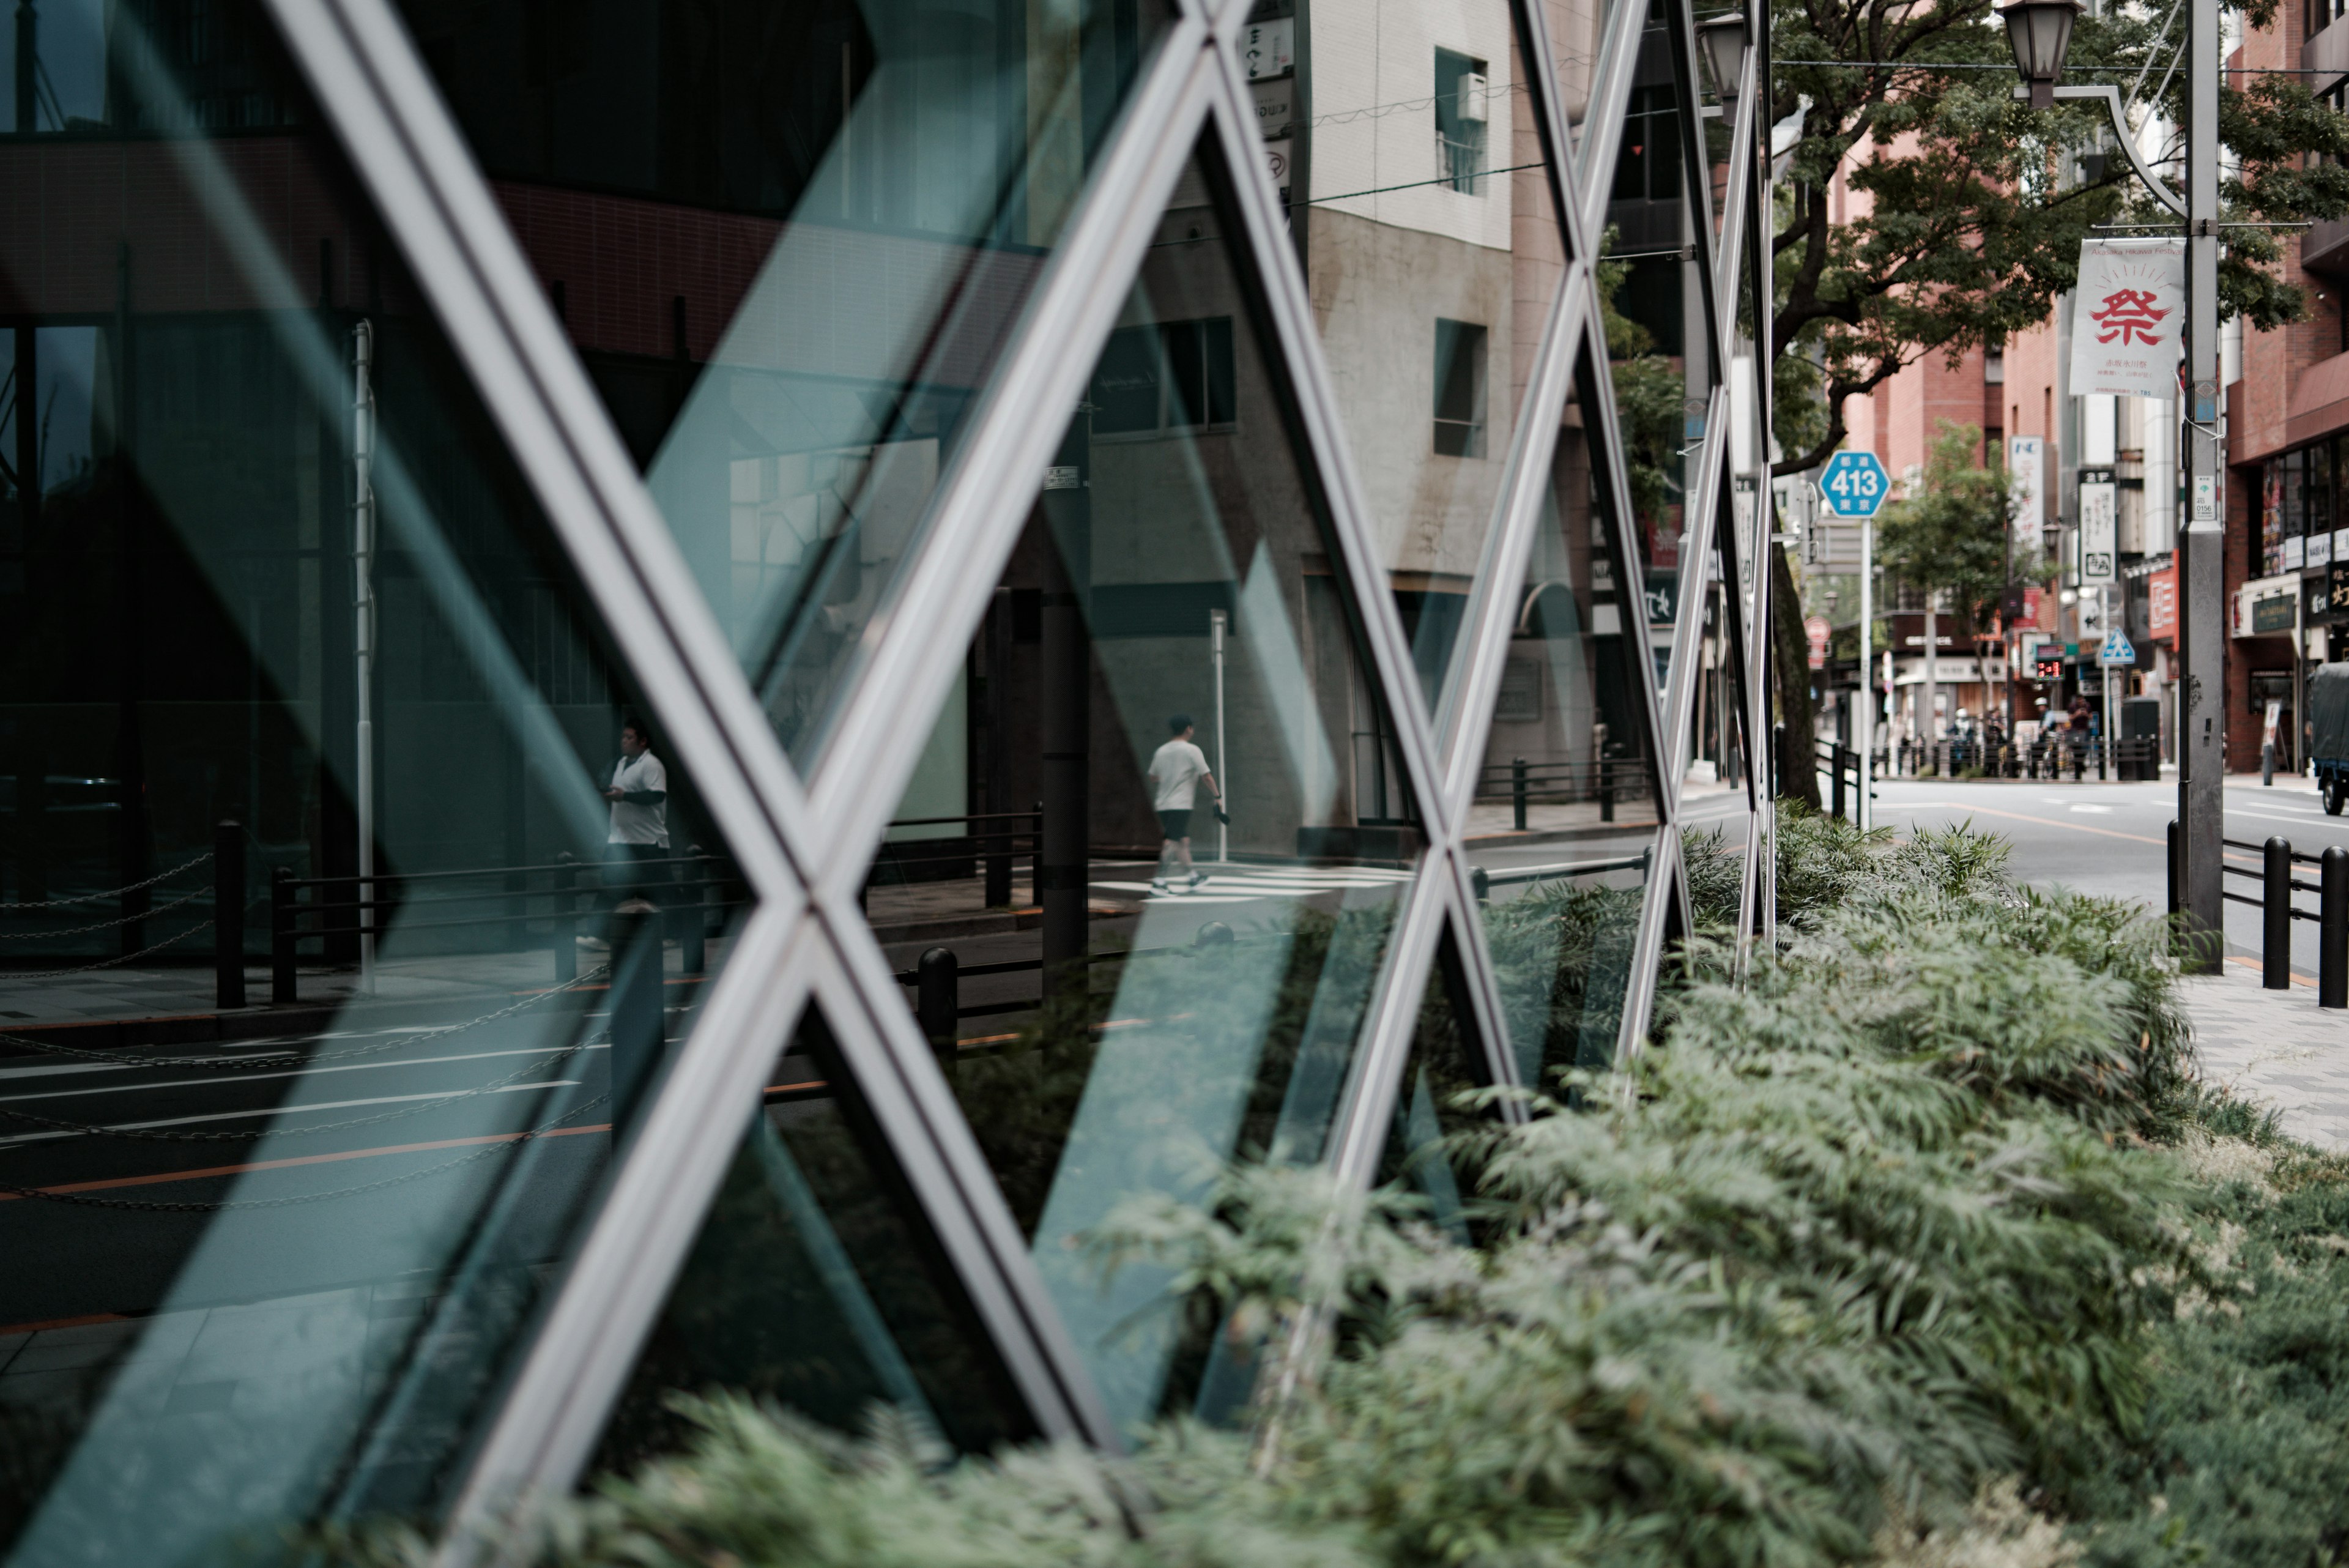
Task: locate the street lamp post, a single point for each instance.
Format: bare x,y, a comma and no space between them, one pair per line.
2039,31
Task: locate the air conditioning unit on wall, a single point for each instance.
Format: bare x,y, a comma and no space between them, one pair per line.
1471,109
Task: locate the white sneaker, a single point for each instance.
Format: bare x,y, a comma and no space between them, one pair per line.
1158,885
1196,878
594,945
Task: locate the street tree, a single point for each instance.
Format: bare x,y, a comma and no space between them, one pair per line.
1951,534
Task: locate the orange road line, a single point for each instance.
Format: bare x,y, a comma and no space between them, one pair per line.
2026,817
208,1171
86,1321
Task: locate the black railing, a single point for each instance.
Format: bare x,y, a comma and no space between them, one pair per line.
1841,765
938,975
2050,757
1604,779
993,839
565,891
2278,911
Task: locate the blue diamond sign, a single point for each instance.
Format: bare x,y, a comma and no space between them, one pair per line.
1855,484
2117,649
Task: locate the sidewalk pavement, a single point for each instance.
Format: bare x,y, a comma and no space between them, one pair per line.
2276,1049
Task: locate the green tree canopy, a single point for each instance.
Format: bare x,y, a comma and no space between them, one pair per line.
1977,205
1951,534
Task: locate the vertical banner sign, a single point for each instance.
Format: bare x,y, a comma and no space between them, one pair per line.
2026,458
2161,603
2099,528
1817,631
2130,318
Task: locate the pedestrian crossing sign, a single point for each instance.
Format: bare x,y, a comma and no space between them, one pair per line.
2117,649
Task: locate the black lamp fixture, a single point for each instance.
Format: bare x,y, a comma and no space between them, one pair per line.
2040,32
1723,39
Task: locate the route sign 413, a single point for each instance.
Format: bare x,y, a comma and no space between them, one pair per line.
1855,484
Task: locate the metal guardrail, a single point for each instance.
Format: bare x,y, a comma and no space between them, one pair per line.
2274,902
2050,757
1604,779
334,908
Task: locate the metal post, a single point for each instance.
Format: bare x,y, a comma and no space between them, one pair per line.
280,935
938,998
1834,766
2333,929
1518,791
2173,866
638,1021
1867,669
2201,754
1481,880
363,625
1606,788
1062,871
2276,916
1216,619
565,922
694,912
228,916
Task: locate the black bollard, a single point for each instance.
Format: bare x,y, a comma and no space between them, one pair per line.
228,916
2275,910
1482,881
2173,866
2333,929
938,999
280,935
1518,791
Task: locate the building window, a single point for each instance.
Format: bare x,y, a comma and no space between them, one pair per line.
1174,374
1648,168
1459,389
1994,364
1460,111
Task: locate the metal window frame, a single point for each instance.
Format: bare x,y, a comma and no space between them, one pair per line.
805,850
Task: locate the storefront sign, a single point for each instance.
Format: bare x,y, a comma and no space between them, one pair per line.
1816,629
2337,590
1269,49
2161,603
2272,614
2317,550
2125,338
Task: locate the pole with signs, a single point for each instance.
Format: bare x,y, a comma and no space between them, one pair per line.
2201,756
1855,485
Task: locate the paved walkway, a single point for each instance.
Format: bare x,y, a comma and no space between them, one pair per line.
2275,1049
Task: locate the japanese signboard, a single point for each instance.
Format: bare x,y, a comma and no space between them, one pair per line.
2129,315
2099,526
2026,472
1815,629
2337,590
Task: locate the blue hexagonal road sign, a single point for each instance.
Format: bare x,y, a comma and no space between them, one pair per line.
1855,484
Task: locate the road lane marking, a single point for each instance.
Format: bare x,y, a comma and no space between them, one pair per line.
164,1177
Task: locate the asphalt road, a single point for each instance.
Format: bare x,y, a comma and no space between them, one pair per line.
2110,838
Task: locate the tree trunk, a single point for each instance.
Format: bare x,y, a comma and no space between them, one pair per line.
1790,648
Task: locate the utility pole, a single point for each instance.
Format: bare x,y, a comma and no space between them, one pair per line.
2202,742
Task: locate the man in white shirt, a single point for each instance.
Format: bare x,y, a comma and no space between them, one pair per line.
639,796
1177,771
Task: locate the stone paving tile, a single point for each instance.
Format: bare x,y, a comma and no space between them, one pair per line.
2275,1049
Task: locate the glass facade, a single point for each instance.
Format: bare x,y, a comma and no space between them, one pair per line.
460,464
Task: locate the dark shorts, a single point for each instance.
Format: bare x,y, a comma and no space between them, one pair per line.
1176,823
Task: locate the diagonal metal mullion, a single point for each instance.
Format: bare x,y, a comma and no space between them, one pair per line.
424,184
1602,128
1484,640
1696,170
615,1283
898,1071
1293,342
1702,513
916,645
1531,24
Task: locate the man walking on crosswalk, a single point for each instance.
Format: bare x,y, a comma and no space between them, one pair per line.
1177,771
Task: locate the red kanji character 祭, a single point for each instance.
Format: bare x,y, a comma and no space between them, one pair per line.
2130,316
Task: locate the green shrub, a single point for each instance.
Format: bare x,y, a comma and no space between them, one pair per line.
1918,1243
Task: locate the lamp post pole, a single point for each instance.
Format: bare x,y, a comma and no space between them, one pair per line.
2201,748
2040,31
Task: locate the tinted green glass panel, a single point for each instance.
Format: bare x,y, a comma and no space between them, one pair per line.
814,1285
1563,826
1176,575
277,1217
789,241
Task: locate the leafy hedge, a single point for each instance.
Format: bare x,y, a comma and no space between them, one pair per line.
1919,1245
